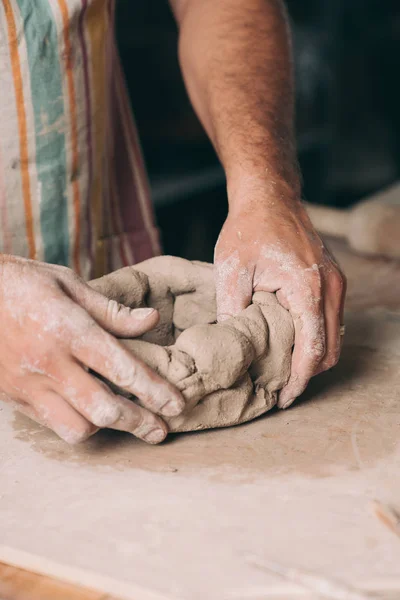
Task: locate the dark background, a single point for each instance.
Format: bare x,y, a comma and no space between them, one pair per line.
348,125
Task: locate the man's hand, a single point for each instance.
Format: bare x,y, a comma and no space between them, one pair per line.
237,63
272,246
54,328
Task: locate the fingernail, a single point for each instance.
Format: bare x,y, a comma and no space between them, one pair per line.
155,436
142,313
282,401
172,408
287,403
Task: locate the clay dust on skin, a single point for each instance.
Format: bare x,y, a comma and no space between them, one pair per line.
64,324
287,277
230,273
295,285
33,367
284,261
131,374
99,406
50,320
119,365
303,304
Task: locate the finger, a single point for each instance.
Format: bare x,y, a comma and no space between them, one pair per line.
309,343
140,422
234,287
94,400
102,353
49,409
334,293
116,318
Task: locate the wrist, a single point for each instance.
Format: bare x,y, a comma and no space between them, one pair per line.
250,188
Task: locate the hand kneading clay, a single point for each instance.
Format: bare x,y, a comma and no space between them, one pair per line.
228,372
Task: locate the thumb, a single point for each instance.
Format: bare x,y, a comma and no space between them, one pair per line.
116,318
234,286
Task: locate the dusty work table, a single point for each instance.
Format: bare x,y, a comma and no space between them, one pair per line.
371,283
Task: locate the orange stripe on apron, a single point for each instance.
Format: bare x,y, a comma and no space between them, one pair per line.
74,134
22,125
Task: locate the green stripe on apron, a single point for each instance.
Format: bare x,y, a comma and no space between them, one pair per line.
48,104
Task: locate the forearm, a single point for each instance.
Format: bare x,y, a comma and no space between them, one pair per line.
236,60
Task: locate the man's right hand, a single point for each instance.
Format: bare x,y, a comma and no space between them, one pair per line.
54,328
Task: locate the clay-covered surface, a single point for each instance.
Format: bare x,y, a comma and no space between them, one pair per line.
181,520
228,373
353,413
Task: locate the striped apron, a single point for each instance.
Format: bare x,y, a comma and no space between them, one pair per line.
73,188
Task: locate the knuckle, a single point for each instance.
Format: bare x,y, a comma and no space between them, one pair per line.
125,377
310,289
104,422
139,424
133,419
67,276
85,333
314,280
338,282
79,434
114,310
316,351
40,364
104,413
331,360
319,351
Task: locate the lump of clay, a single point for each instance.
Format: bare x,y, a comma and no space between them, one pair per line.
228,372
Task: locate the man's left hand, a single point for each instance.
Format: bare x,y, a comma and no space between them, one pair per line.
269,244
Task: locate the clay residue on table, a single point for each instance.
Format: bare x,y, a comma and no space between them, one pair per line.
347,420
